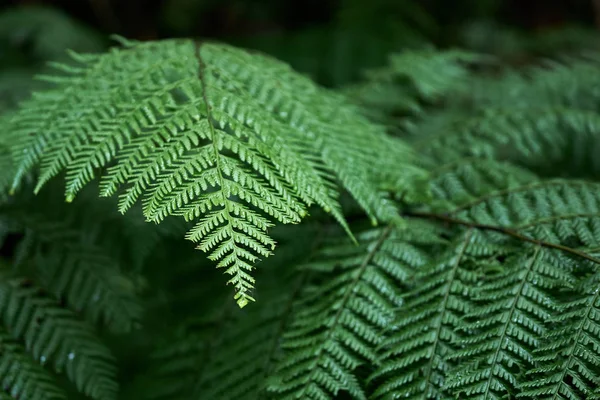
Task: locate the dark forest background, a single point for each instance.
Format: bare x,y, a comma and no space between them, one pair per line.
331,40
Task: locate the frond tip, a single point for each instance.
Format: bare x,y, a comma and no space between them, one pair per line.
237,141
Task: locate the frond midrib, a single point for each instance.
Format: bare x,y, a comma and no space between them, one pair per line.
571,354
342,306
242,297
512,310
443,305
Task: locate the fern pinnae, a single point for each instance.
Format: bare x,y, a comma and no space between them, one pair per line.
336,146
568,359
507,326
412,357
235,265
337,327
87,362
81,271
296,161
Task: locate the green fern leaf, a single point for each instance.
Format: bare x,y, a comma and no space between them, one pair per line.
53,335
568,360
336,327
503,329
503,314
413,361
230,139
466,181
556,211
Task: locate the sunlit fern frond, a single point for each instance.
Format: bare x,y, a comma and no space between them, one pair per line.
54,335
233,140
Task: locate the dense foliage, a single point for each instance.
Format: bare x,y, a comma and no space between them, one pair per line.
431,231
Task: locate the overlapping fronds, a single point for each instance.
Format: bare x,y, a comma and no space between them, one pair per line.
230,139
568,361
63,255
337,323
413,356
480,282
544,118
53,335
505,326
477,316
411,78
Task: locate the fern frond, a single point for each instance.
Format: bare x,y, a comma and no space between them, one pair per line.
23,377
504,327
82,272
411,78
468,180
557,211
336,327
54,335
544,118
412,363
568,360
506,316
230,139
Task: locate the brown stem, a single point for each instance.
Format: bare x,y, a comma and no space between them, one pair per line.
499,229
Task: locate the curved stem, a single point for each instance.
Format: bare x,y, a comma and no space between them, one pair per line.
503,230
